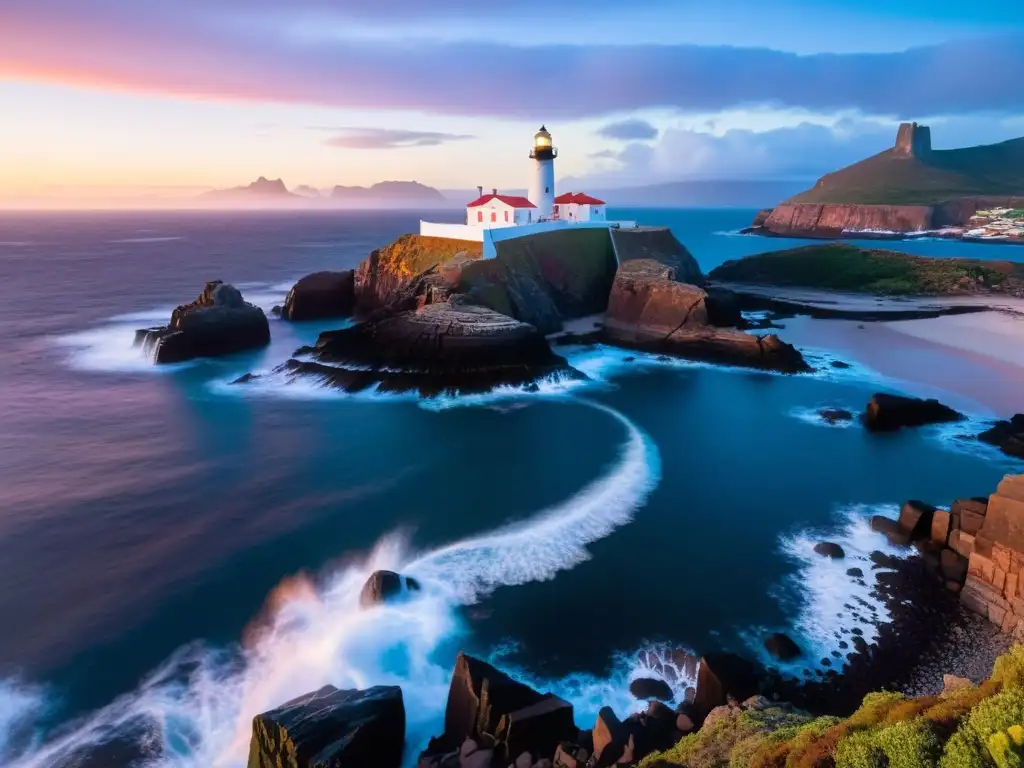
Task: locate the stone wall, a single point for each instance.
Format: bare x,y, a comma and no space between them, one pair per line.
991,536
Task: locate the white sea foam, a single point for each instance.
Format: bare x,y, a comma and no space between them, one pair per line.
821,589
110,348
813,416
197,707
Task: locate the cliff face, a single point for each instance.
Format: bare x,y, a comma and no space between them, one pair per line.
659,244
382,276
826,220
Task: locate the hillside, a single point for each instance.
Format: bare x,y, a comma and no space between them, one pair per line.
390,192
840,267
912,173
261,189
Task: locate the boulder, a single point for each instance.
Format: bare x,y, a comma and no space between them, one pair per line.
1008,436
437,349
940,526
650,688
489,707
1004,516
916,519
610,738
650,310
330,727
968,515
856,573
782,647
657,244
887,413
383,586
829,549
721,676
891,529
219,322
321,295
954,566
569,755
951,684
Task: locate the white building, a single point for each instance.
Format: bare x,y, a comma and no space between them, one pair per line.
576,206
495,217
494,210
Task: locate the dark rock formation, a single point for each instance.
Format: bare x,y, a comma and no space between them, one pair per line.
722,676
650,688
321,295
829,549
916,520
219,322
649,310
491,708
1008,436
829,221
660,245
383,586
386,272
835,415
887,413
331,728
439,348
546,278
782,647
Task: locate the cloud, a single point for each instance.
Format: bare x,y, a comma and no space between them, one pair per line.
629,129
802,152
390,138
213,50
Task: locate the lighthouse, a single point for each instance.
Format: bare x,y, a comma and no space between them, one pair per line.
542,182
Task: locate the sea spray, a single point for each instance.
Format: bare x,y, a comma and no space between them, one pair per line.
196,710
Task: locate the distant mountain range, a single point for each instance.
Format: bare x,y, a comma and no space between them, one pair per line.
412,194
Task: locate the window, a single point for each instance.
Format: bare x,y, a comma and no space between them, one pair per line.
479,215
546,190
494,216
506,215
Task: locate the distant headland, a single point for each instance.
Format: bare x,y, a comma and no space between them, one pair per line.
272,192
974,193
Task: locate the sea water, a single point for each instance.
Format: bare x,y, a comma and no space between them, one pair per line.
179,553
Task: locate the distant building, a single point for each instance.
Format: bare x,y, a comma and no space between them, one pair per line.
495,217
576,206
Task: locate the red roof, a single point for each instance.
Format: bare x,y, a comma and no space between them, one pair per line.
579,198
512,200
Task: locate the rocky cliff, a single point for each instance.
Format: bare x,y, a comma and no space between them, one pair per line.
387,271
832,220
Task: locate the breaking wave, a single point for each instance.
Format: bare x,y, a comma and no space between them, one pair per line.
196,709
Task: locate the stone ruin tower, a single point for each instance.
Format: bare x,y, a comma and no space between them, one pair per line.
913,140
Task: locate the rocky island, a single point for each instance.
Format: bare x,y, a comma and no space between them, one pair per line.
912,189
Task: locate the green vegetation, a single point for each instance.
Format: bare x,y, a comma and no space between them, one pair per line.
841,267
974,727
889,179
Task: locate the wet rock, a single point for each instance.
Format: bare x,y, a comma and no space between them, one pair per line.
856,573
782,647
829,549
835,415
383,586
437,349
321,295
219,322
839,364
721,676
331,727
887,413
891,529
916,519
610,738
1008,436
650,688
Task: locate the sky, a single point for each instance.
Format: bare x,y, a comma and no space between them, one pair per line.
108,98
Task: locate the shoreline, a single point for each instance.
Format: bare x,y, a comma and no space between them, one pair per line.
881,236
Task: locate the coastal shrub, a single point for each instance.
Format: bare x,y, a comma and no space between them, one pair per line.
910,743
860,750
1007,747
968,747
951,708
1009,668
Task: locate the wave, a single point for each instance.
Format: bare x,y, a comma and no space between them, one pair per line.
196,709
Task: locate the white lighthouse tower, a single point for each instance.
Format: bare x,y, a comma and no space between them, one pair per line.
542,183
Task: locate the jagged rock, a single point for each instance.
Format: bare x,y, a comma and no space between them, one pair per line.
330,727
610,738
916,519
321,295
219,322
570,755
385,585
650,688
657,244
439,348
856,573
829,549
891,529
1008,436
887,413
782,647
721,676
489,707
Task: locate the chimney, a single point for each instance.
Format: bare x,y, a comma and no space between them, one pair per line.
494,191
480,191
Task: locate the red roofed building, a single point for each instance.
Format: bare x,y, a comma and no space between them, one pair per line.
576,206
496,210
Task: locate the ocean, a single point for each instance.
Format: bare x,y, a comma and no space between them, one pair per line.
178,554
